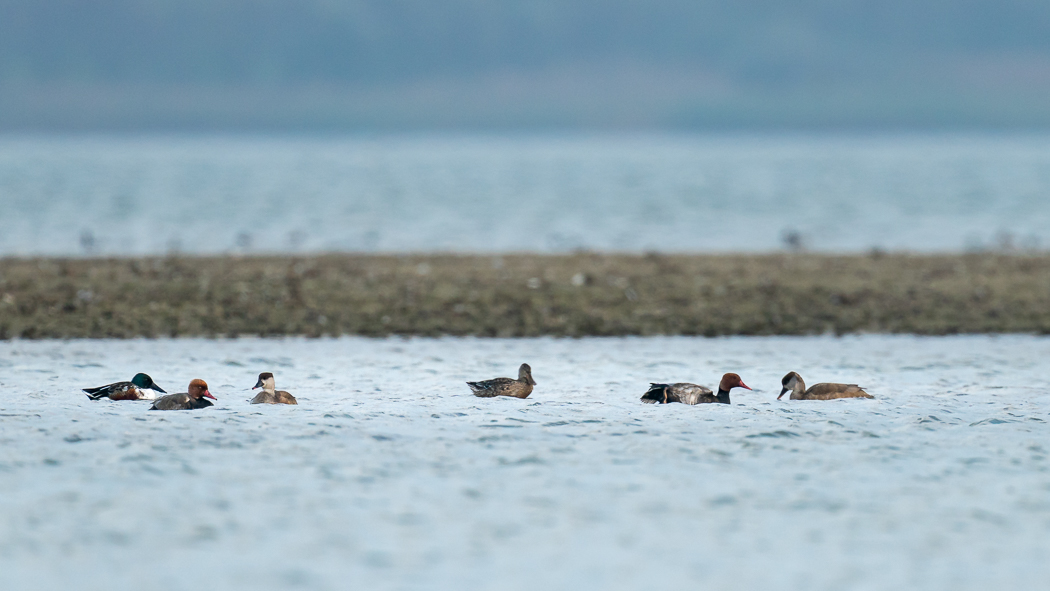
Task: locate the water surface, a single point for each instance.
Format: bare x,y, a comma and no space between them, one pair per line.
389,474
675,193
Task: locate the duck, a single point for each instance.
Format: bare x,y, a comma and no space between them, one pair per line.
691,393
793,383
519,388
192,399
141,387
269,395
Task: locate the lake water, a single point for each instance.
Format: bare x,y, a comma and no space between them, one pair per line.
390,475
208,194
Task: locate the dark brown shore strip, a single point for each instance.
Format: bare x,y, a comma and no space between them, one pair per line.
524,295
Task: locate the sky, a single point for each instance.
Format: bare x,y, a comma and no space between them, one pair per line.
70,65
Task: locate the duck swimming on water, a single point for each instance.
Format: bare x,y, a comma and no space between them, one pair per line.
691,393
793,383
189,400
269,395
141,387
519,388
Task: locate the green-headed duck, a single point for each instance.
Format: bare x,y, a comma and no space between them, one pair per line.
519,388
269,395
141,387
793,383
190,400
693,394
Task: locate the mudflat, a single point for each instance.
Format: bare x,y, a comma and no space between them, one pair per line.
584,294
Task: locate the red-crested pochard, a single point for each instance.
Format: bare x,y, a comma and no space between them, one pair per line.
190,400
269,395
691,393
793,383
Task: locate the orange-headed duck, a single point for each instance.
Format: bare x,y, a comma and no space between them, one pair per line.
519,388
793,383
269,395
141,387
693,394
190,400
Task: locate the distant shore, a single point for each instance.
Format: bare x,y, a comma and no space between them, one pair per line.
524,295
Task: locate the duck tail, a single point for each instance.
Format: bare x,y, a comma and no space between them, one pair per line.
657,394
475,387
96,393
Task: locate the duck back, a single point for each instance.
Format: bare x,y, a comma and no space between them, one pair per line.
179,402
119,391
278,397
501,387
682,392
286,398
832,391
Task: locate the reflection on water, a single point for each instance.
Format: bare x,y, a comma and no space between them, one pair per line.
134,195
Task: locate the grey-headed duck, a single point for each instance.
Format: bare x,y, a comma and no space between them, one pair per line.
269,394
691,393
192,399
141,387
793,383
519,388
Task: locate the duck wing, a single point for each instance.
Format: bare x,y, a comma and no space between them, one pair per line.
687,393
174,402
286,398
833,391
492,388
109,390
264,397
683,392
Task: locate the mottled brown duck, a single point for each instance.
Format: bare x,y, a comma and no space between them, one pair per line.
519,388
687,393
793,383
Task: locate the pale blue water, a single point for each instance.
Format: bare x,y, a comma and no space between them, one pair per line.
389,474
155,194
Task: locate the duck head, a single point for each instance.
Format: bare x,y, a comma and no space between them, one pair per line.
198,388
266,381
525,373
143,381
792,382
730,381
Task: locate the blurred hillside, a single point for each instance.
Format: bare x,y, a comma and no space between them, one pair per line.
410,64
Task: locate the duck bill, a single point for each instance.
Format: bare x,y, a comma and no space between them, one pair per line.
207,394
782,391
258,384
159,389
744,386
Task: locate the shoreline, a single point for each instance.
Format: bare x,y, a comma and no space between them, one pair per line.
524,295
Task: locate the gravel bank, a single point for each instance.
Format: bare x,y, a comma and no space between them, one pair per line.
524,295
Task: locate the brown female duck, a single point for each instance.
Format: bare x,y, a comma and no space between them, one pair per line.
269,395
793,383
519,388
190,400
691,393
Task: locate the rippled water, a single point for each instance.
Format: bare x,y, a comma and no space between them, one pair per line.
389,474
155,194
